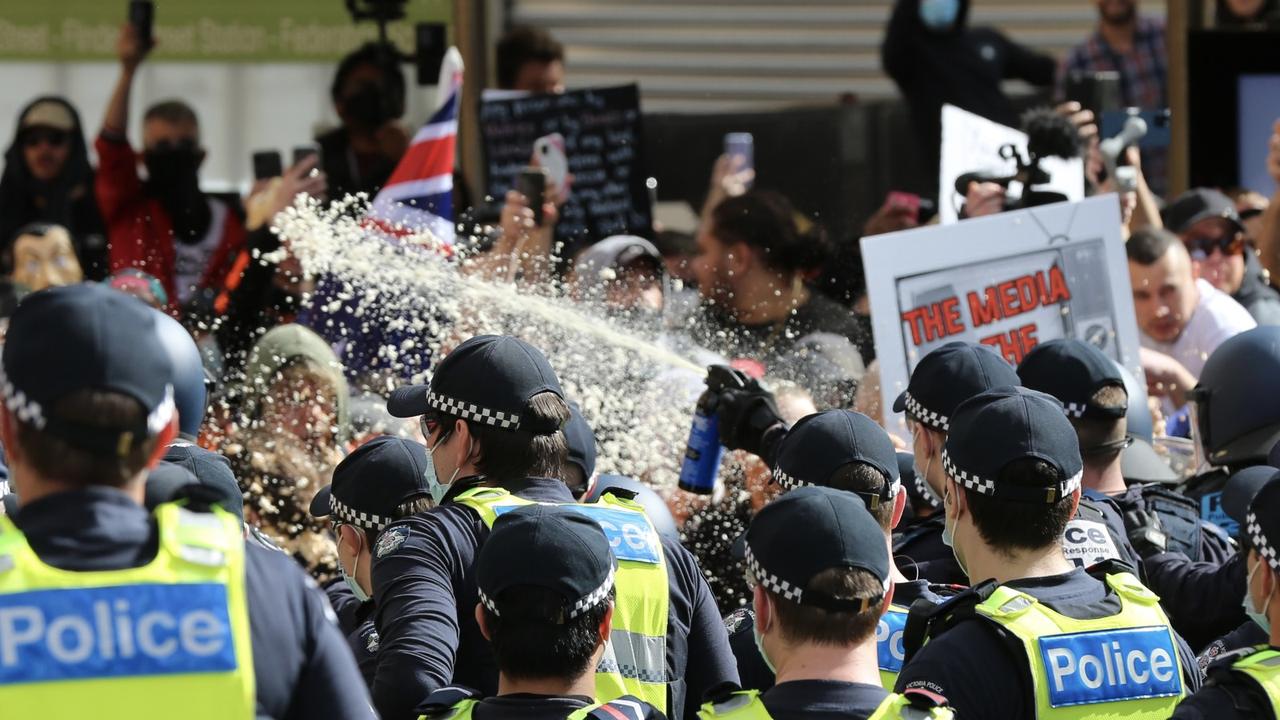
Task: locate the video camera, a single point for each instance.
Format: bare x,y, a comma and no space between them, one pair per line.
429,38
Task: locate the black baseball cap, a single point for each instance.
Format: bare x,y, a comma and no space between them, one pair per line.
487,379
1199,204
551,547
808,531
1072,371
375,479
211,470
1262,522
947,377
165,483
822,443
1242,487
581,441
997,427
73,338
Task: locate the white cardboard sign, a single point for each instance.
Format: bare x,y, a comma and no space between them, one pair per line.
971,143
1010,281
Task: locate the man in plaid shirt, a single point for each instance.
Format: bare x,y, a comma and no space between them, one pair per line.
1134,47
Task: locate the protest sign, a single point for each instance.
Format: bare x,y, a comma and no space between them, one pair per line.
971,143
601,130
1010,281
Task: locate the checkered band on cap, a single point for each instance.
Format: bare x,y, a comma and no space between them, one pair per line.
1075,410
1260,543
367,521
987,486
772,582
471,411
588,601
787,481
925,415
23,407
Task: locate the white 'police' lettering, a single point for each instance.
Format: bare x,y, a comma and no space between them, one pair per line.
891,649
1087,542
629,532
114,631
1110,666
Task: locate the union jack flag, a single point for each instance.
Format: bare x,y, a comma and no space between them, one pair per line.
419,194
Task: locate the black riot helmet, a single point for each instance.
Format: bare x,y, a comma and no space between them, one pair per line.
1236,415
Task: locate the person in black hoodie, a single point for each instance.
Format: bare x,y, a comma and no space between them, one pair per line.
936,58
47,178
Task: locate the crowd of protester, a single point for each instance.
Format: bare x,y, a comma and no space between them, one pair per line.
428,514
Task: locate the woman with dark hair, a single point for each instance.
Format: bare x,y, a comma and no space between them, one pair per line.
1247,14
47,178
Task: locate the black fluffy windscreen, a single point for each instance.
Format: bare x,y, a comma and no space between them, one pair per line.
1050,133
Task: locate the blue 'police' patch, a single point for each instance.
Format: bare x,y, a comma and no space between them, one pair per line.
628,531
390,540
1211,510
120,631
891,650
1110,666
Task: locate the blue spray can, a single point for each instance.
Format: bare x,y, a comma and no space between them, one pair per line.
702,455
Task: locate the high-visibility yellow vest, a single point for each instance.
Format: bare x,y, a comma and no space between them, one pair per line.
168,639
635,659
747,705
465,708
1122,666
890,651
1263,667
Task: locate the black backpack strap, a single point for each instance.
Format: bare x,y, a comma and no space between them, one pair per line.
928,619
441,702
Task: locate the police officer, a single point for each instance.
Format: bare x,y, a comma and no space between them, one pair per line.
492,416
822,580
546,581
110,611
1092,391
1246,683
846,451
1036,636
383,480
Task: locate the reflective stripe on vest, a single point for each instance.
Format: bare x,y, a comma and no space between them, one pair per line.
1263,667
1125,665
890,651
635,659
138,643
747,705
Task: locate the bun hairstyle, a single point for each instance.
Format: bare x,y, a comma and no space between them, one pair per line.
768,223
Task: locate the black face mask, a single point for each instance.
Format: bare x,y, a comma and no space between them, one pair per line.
369,106
173,179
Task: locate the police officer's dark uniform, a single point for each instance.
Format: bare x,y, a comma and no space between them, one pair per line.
550,548
121,558
423,579
791,541
984,647
1246,683
811,453
369,486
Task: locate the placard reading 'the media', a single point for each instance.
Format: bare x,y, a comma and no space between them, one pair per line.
602,134
1009,281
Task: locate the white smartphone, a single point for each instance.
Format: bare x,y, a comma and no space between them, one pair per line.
549,151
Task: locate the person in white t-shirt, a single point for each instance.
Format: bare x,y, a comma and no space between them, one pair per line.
1183,320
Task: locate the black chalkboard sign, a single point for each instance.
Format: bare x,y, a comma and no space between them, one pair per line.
602,137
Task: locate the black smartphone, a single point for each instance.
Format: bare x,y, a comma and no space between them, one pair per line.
429,47
142,14
532,184
302,152
267,164
1096,91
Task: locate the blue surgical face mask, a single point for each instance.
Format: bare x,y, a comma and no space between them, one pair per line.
350,580
949,532
755,632
939,14
1259,616
922,475
437,489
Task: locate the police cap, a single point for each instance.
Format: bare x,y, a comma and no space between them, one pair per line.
947,377
811,530
822,443
211,470
487,379
550,547
1006,424
1242,487
373,481
1262,522
1072,371
86,337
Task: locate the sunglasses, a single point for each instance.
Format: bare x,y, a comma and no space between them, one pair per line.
1202,247
49,136
427,424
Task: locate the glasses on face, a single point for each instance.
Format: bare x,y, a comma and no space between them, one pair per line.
1201,247
427,425
35,137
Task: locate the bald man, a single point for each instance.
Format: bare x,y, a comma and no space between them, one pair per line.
1183,320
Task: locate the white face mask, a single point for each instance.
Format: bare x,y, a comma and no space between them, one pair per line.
350,580
437,489
759,637
922,476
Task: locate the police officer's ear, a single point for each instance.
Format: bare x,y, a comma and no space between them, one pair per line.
8,434
763,609
162,442
482,621
888,600
606,626
899,506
